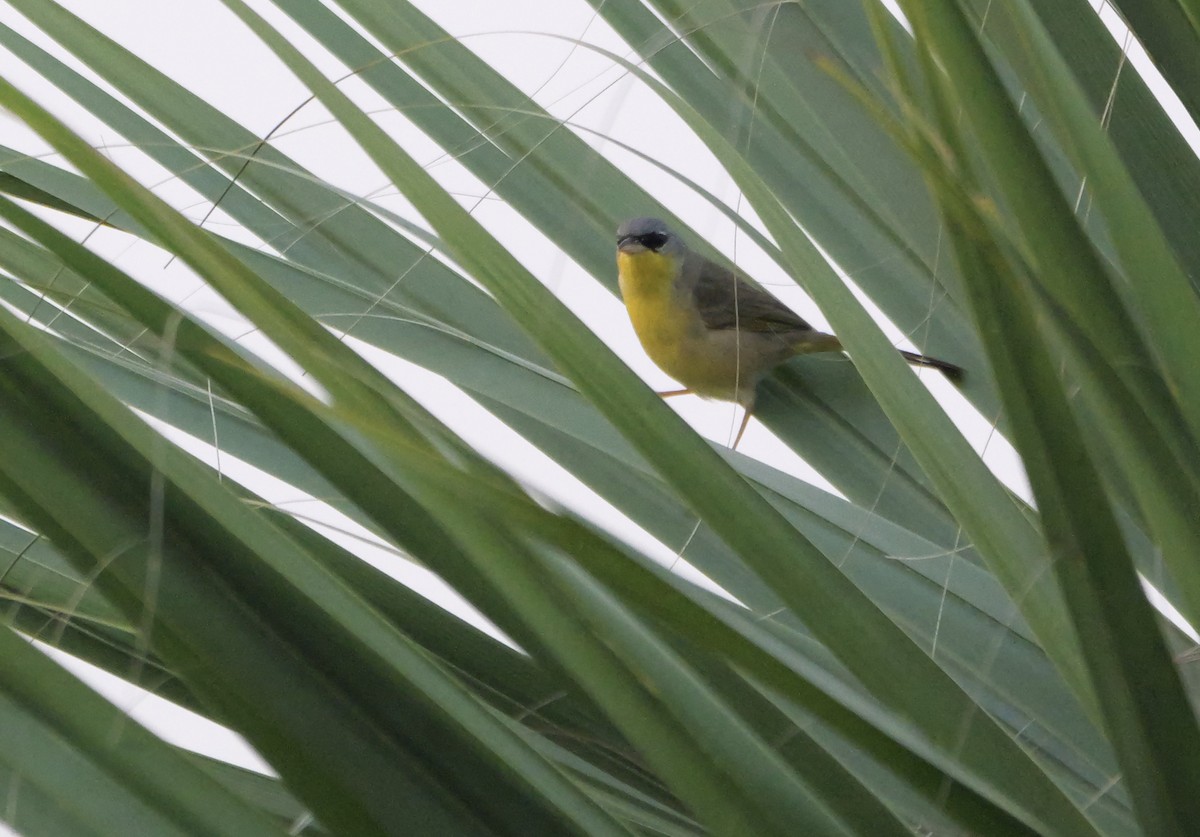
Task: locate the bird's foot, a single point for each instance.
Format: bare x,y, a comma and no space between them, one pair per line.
742,429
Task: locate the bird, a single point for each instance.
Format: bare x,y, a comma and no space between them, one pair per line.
706,327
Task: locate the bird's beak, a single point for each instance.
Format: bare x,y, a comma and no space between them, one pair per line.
630,244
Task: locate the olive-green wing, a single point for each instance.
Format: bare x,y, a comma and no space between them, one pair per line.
726,301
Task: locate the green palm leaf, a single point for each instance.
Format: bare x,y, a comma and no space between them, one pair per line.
925,653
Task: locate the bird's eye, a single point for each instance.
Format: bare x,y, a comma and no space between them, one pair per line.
654,241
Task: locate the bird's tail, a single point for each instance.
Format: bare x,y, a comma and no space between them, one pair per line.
954,373
818,341
812,341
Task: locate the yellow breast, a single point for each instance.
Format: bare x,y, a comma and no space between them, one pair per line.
673,334
664,319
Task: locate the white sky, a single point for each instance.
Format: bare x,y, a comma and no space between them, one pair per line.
204,47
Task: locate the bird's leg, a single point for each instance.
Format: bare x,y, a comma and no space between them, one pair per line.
673,392
745,421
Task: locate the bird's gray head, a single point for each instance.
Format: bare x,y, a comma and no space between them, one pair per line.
638,235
